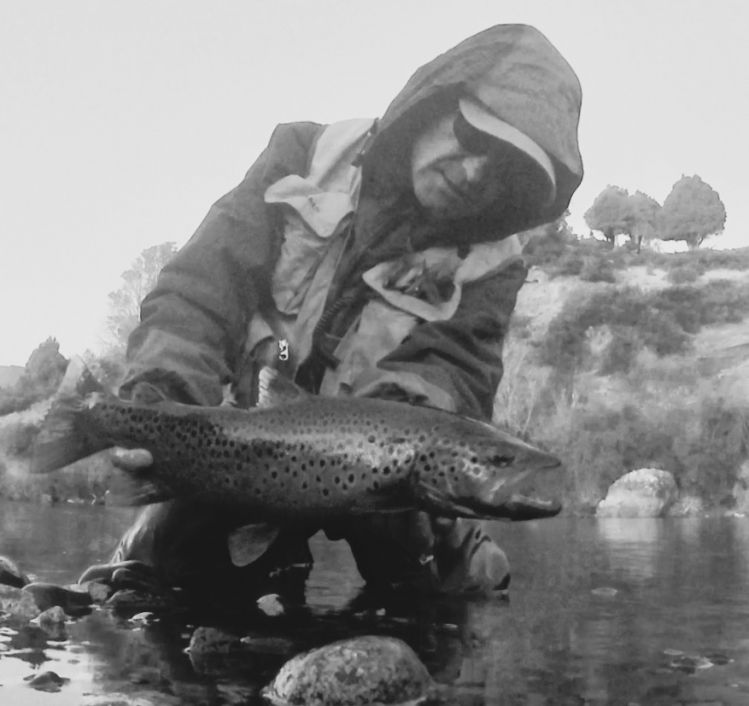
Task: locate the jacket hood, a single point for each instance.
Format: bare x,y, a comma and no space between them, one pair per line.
526,82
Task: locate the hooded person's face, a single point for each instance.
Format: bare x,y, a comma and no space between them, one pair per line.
454,177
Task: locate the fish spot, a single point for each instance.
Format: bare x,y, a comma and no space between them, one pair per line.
274,474
351,478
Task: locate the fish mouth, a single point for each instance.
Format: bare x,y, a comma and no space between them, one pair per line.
515,507
518,508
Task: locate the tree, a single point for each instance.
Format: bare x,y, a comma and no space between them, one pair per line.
643,217
609,213
41,377
46,365
137,281
691,212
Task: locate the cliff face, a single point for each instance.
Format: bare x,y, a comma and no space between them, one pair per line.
636,372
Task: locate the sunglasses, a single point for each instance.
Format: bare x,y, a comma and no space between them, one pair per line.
471,139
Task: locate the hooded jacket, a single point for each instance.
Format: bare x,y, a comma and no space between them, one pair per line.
193,336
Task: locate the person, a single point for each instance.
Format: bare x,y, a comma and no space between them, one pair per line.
368,258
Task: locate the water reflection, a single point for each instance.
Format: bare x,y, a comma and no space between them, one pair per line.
601,612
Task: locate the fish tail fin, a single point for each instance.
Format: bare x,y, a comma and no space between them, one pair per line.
61,441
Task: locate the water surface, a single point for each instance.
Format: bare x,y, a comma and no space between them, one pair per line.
626,612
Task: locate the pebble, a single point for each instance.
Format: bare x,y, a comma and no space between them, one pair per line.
271,605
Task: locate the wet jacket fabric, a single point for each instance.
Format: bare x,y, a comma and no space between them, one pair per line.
195,325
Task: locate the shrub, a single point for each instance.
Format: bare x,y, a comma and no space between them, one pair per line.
597,269
565,344
683,274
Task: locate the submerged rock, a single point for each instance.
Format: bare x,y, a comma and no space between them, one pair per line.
646,492
129,601
354,672
214,651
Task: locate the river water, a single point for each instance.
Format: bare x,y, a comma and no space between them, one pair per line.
630,612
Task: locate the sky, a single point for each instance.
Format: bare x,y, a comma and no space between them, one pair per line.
123,121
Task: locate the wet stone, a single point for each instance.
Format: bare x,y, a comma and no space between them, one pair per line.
213,651
364,670
17,605
52,621
74,601
99,592
129,600
47,681
271,605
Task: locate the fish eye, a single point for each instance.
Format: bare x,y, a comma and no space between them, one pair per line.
502,461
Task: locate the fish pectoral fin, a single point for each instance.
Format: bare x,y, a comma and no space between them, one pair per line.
249,542
274,389
126,490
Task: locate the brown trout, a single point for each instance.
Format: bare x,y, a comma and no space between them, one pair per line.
298,456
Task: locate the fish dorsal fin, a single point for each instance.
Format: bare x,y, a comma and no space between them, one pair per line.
275,389
249,542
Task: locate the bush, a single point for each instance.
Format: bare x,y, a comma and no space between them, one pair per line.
684,274
597,269
627,311
662,320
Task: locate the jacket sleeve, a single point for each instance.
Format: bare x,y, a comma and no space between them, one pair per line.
460,360
193,324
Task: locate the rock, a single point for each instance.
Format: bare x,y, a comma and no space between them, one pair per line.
359,671
52,621
47,681
130,601
17,604
216,652
214,641
271,605
99,592
646,492
73,601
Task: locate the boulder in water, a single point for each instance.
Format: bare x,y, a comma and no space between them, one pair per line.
646,492
355,672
